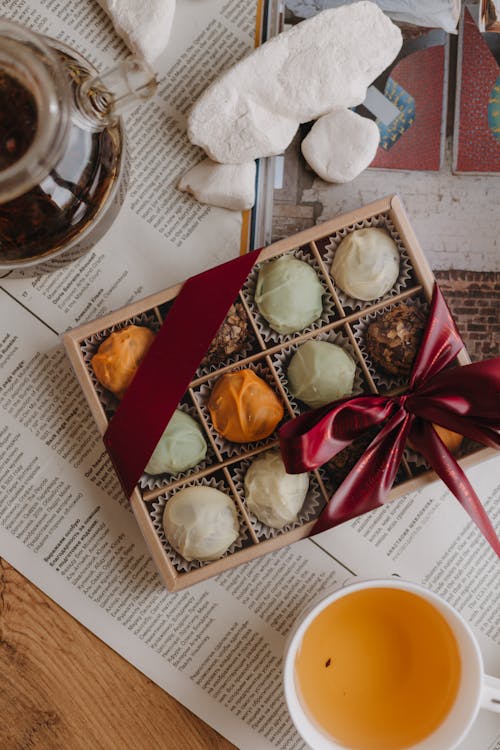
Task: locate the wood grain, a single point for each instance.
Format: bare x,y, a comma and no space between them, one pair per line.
61,688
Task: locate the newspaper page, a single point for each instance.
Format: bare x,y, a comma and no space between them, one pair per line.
64,522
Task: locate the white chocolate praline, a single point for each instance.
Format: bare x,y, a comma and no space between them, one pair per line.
366,264
272,495
288,294
320,372
200,522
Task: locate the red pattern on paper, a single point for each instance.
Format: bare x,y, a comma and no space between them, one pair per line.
478,150
421,74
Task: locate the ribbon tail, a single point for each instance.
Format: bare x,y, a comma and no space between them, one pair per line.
430,445
368,483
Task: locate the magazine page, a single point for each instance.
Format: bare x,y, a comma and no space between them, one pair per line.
476,147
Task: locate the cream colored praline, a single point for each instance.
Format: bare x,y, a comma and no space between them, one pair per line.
320,372
200,522
366,264
272,495
288,294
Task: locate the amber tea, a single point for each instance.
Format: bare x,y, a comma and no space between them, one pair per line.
64,203
378,669
18,120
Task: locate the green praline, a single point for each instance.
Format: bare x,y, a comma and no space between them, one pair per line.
320,372
288,294
181,446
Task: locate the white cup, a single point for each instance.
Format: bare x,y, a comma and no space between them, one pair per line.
476,690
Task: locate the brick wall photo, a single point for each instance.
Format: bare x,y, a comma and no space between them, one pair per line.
474,300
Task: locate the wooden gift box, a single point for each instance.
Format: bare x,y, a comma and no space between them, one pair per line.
343,319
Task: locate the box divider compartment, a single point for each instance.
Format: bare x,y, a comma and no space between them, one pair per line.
328,278
241,506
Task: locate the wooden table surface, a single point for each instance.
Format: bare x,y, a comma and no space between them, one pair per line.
61,688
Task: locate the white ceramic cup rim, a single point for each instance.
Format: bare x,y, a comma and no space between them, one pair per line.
466,706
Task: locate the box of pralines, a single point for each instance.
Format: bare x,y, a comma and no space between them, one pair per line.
332,312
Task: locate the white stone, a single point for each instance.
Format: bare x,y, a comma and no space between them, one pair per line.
341,145
254,108
144,25
226,185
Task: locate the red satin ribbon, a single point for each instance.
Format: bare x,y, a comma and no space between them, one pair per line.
170,364
464,399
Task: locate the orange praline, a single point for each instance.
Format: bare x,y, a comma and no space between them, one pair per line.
243,407
119,356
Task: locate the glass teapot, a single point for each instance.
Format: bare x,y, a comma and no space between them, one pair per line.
62,151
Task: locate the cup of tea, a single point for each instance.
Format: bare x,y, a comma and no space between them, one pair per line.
384,665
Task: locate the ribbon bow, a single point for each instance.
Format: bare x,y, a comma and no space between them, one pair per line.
464,399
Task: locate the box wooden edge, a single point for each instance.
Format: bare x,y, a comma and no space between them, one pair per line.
410,485
122,313
74,355
330,226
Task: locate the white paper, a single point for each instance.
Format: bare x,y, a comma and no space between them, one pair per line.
64,522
